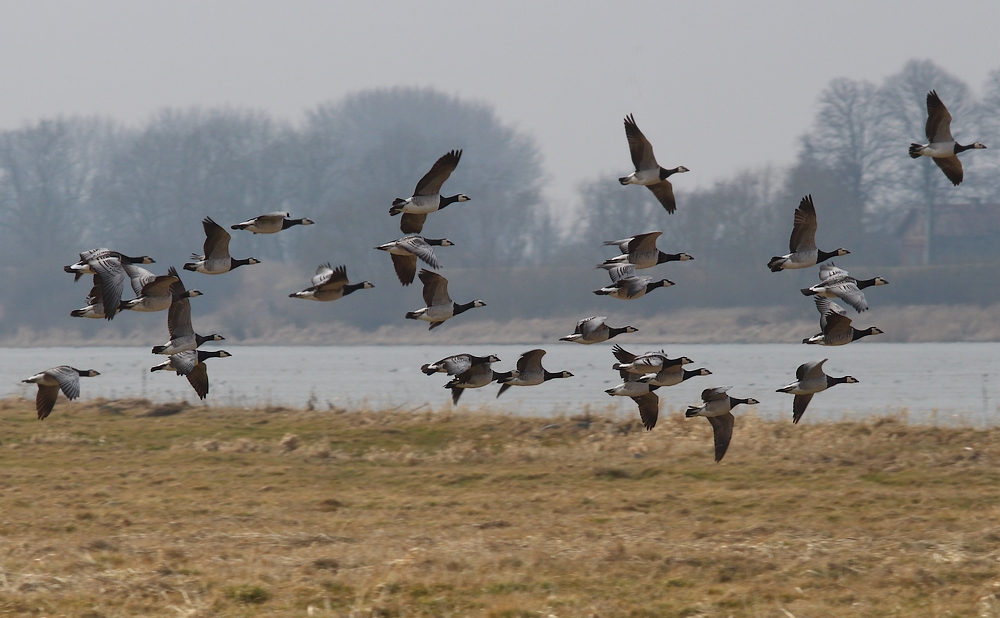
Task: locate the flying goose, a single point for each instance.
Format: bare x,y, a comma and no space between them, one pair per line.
405,251
270,223
809,380
182,335
836,283
642,394
109,275
802,242
836,326
51,380
159,294
641,364
457,363
427,197
942,147
439,306
641,250
717,408
83,267
216,259
626,285
594,330
673,375
529,372
330,284
191,364
647,171
95,304
477,375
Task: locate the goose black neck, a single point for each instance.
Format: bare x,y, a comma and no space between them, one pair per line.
613,332
733,402
548,375
234,263
665,173
448,200
287,223
652,286
350,288
199,339
823,256
690,374
858,334
204,354
434,241
831,381
960,148
866,283
497,375
668,257
463,307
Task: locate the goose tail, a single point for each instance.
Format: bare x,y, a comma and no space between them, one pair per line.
915,150
776,263
692,411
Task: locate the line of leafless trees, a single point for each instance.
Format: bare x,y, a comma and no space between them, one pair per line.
68,184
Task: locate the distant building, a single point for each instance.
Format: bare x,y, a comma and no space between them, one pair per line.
960,234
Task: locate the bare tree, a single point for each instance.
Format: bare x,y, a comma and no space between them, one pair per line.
46,174
849,137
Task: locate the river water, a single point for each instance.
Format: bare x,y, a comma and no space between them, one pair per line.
946,383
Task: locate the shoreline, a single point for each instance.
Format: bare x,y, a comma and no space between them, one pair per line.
902,324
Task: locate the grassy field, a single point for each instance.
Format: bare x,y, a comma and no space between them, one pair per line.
125,509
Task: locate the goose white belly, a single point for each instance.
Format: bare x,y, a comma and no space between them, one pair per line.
806,387
397,250
421,204
622,294
939,150
181,344
643,177
90,311
645,259
154,303
42,379
800,259
667,377
436,313
215,266
526,379
629,389
716,407
478,379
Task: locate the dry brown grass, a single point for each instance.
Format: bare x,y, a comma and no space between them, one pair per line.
113,509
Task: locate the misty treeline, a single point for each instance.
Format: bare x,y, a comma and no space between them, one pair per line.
69,184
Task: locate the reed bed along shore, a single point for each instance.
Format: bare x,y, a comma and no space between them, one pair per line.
126,508
901,323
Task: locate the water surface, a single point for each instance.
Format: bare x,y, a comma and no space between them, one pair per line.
932,382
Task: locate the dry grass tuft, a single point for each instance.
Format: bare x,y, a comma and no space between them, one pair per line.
108,510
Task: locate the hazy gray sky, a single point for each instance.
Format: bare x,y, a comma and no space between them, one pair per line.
716,86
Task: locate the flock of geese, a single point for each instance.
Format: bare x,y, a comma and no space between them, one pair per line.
641,374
